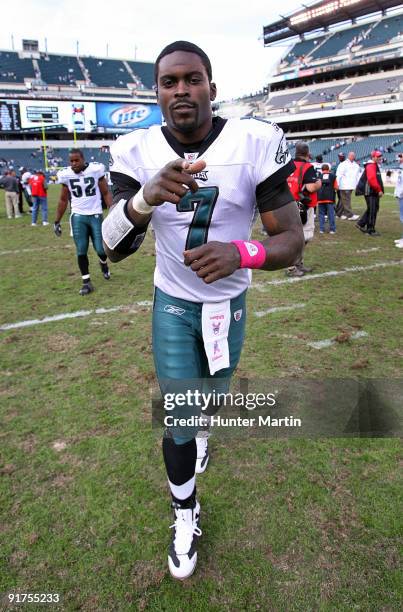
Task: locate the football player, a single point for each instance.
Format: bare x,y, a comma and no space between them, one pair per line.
84,185
202,181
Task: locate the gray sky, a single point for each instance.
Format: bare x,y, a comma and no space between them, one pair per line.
227,30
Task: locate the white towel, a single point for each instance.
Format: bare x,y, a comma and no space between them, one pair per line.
216,320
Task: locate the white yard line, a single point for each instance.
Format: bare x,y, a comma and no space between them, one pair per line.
320,344
257,286
262,313
367,250
331,273
70,315
17,251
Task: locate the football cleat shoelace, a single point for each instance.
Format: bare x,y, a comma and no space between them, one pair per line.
185,528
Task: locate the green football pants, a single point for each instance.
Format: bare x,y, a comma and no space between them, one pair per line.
180,360
85,227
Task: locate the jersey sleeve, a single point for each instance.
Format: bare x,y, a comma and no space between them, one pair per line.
270,198
100,171
273,160
61,178
124,178
123,157
310,176
123,186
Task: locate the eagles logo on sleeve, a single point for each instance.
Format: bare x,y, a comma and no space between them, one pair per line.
282,152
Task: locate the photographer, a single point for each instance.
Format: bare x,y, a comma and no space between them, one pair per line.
303,184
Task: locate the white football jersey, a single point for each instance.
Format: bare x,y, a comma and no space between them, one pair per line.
243,155
84,189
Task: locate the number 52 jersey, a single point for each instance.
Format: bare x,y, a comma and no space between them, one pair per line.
83,187
242,155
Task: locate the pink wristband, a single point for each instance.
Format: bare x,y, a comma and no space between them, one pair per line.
253,253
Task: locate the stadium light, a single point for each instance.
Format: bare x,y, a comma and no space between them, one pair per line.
325,9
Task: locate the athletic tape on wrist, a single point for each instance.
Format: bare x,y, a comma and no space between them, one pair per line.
116,225
252,252
140,205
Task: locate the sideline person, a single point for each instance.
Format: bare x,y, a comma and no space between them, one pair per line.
347,174
373,193
304,184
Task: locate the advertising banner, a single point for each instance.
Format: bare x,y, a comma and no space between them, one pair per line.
9,116
124,116
68,116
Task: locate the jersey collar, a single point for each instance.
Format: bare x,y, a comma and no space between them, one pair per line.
83,170
196,147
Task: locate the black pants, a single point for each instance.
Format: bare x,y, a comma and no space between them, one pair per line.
368,219
20,204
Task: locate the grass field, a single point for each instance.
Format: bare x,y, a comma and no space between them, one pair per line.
301,524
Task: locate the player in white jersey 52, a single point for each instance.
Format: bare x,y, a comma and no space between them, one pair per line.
84,185
202,180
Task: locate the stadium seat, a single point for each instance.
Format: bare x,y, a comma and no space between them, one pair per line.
375,87
322,96
302,49
107,72
145,72
13,69
33,159
60,69
383,32
339,42
285,100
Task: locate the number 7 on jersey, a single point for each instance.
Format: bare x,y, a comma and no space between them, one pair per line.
204,200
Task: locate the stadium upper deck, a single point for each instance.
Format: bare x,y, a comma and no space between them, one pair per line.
36,74
351,46
335,78
322,15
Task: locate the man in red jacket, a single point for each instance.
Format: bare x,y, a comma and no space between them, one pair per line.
373,192
303,183
39,189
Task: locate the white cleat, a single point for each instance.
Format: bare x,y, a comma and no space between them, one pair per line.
354,218
202,451
182,556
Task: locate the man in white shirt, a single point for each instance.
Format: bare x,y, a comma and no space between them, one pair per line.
203,180
347,175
